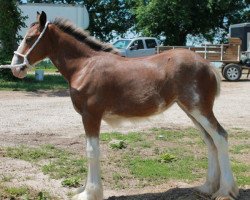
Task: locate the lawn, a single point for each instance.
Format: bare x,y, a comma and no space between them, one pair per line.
137,159
50,82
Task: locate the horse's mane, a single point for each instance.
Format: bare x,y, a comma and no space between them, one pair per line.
68,27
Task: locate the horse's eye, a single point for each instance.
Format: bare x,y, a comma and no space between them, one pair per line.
29,40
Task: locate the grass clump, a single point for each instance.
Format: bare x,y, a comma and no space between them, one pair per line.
16,192
24,193
71,182
131,137
33,154
62,164
6,178
167,158
117,144
69,168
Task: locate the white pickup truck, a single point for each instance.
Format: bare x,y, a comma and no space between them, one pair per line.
137,47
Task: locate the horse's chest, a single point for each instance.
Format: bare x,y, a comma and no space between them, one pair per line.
77,100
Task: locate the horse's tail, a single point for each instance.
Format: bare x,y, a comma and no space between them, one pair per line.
218,80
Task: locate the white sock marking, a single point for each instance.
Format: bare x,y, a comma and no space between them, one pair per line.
93,185
227,180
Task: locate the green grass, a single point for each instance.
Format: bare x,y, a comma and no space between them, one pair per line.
117,177
6,178
153,170
118,144
24,193
240,149
241,171
50,82
185,161
33,154
146,160
62,164
167,166
132,137
71,169
71,182
239,134
173,135
14,191
45,65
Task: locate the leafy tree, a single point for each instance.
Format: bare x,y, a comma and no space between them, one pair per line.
10,22
107,18
175,19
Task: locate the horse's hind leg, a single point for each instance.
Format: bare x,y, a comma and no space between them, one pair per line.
228,189
212,183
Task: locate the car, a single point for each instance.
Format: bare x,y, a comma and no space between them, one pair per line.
137,47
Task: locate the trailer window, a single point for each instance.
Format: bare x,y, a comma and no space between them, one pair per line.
150,43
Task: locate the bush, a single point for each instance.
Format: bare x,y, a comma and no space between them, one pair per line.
10,22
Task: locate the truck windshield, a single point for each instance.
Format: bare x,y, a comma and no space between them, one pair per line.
121,44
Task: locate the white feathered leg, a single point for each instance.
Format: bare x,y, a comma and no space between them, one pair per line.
93,188
228,188
213,173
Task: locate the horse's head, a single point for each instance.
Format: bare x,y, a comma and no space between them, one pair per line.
33,47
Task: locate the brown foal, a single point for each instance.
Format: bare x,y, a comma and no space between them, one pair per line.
104,85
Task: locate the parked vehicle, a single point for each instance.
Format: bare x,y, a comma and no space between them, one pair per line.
235,55
137,47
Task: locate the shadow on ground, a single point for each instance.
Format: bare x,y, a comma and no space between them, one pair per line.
177,194
240,80
50,93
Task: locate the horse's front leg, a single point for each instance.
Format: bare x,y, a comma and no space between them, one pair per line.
93,188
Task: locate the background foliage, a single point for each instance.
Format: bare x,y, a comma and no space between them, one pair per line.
170,20
10,22
175,19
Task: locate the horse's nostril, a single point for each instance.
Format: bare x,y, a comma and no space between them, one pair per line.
23,68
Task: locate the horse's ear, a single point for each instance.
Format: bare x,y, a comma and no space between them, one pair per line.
37,16
42,18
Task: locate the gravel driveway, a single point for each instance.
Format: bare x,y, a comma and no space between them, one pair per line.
53,113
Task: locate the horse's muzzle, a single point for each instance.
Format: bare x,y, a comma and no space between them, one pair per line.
20,72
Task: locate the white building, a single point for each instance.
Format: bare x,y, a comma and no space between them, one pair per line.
78,14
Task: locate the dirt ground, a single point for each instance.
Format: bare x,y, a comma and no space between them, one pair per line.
34,118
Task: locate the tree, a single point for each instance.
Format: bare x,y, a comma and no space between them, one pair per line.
107,18
175,19
10,22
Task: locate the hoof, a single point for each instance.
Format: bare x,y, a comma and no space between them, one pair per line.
207,188
226,194
86,196
90,193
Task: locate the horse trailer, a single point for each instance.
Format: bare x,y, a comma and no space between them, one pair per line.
235,55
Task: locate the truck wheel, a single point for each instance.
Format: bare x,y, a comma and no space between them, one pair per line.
232,72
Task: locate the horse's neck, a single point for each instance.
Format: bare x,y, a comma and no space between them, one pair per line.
69,55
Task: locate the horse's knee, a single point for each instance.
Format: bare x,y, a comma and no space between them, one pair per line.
92,148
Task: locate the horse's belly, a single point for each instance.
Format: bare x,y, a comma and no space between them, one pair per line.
115,120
